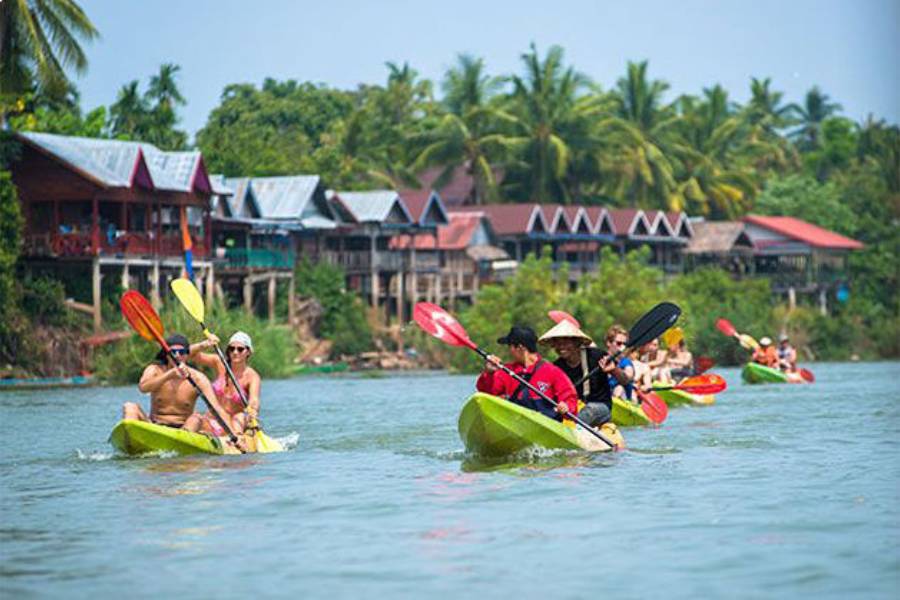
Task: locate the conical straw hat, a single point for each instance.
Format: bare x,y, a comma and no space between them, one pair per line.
565,329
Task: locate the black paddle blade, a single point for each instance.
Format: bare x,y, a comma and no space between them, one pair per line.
653,324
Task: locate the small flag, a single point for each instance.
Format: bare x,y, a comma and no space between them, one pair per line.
187,244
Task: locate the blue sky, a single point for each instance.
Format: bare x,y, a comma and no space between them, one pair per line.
849,48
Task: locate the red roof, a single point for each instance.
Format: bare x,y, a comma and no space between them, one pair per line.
804,232
623,218
659,219
509,219
416,202
459,189
455,236
551,212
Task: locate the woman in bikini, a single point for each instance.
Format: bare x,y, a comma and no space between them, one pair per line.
238,352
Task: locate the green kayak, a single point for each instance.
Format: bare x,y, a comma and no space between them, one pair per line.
680,397
492,426
139,437
628,414
756,373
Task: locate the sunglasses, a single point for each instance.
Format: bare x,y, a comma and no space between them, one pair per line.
238,349
178,351
618,343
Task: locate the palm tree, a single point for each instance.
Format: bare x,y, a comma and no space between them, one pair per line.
163,88
641,171
39,39
816,108
766,116
550,125
465,135
129,112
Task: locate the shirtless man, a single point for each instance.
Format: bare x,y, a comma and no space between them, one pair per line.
172,397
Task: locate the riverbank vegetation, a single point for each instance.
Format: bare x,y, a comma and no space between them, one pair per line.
545,133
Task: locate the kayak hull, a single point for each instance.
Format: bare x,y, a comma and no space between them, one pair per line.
681,398
754,373
134,438
628,414
492,426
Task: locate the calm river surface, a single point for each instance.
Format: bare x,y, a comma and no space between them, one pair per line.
776,491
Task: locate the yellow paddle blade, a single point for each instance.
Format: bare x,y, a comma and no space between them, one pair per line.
189,296
748,342
673,336
266,444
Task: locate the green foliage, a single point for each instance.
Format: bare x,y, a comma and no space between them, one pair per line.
11,321
273,345
43,302
803,197
150,117
705,296
343,314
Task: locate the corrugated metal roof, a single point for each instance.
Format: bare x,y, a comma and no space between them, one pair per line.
284,197
373,207
114,162
808,233
219,186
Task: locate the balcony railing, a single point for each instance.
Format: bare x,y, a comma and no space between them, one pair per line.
360,261
78,244
258,258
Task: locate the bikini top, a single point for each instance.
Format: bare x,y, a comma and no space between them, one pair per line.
234,399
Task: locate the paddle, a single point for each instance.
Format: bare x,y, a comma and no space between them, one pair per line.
143,319
190,298
653,406
438,323
807,375
746,341
699,384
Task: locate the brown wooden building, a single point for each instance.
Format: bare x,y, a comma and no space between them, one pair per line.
112,208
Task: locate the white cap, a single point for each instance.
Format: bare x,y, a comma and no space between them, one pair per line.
241,338
766,341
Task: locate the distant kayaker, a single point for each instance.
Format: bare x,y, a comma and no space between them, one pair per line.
766,354
577,357
237,353
621,381
528,364
655,358
172,397
680,361
787,355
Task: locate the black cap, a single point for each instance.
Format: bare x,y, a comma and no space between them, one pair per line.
176,339
520,335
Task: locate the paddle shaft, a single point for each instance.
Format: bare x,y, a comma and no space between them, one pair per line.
544,397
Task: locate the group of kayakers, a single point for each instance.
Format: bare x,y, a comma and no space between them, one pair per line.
566,380
173,397
783,357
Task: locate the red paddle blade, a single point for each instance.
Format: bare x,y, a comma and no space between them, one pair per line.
807,375
654,407
438,323
703,384
559,316
141,316
725,326
703,364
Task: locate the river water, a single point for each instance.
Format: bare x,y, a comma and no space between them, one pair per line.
775,491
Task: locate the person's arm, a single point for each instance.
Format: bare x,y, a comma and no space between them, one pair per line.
154,377
205,359
491,379
660,360
253,395
565,393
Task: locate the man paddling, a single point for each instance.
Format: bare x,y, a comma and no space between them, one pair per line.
172,397
528,364
577,356
766,354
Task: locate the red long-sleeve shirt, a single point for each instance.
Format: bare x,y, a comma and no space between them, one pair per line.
548,378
